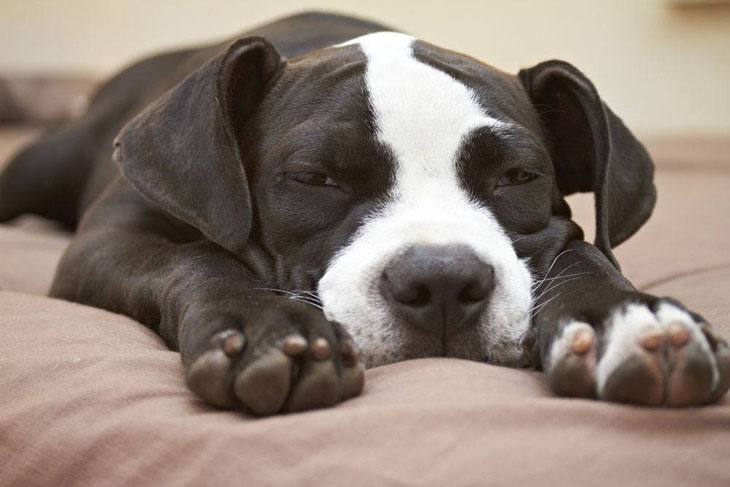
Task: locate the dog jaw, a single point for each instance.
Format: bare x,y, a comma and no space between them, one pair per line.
423,116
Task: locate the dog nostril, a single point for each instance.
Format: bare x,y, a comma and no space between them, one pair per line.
413,295
418,296
477,290
473,292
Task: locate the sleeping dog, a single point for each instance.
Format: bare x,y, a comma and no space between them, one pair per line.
324,195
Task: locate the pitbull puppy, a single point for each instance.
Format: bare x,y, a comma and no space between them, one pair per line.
324,185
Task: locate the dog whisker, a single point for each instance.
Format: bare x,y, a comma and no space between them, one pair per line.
536,286
305,299
537,308
299,299
558,275
553,279
300,296
552,287
313,294
555,260
276,290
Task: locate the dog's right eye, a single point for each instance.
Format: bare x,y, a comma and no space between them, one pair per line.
314,179
516,176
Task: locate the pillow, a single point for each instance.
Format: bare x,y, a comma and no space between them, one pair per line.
90,397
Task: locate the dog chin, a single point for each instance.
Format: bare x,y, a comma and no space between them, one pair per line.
399,341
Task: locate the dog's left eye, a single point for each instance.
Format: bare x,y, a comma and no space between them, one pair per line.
314,179
516,176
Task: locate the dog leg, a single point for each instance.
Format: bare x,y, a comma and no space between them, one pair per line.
242,348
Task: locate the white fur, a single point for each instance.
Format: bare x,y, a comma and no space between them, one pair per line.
562,345
423,115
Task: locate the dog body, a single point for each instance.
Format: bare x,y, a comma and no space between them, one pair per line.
325,184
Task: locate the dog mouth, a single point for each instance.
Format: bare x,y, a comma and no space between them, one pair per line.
406,342
391,318
414,342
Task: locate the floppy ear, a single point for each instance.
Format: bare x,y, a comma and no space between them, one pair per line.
592,150
182,152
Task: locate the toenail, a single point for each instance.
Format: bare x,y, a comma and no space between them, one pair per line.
294,345
652,342
678,334
233,345
321,349
582,342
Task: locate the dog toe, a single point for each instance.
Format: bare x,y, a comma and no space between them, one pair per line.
571,368
691,367
263,385
690,376
722,359
207,375
207,378
633,366
637,380
353,380
690,371
318,387
353,370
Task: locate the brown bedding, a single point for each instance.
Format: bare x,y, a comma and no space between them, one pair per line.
92,398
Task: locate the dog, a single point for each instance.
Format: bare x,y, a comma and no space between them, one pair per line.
325,194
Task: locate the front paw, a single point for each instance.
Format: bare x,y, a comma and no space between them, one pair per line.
284,358
656,354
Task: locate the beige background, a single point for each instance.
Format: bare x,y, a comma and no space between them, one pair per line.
664,69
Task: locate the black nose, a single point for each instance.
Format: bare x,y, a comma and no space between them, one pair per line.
442,289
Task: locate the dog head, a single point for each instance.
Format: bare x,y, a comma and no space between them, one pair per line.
412,192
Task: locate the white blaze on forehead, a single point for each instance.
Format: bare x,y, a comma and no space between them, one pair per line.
422,114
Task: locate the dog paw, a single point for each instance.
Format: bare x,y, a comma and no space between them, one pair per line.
659,355
286,362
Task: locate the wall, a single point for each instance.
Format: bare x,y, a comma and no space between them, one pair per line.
664,69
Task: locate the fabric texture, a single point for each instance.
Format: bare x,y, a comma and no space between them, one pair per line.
88,397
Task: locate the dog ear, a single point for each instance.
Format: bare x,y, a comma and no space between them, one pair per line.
592,150
182,152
